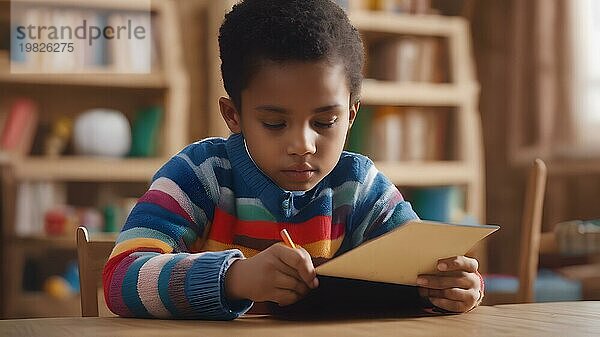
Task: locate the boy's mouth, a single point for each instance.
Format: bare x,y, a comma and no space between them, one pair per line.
300,172
299,176
300,167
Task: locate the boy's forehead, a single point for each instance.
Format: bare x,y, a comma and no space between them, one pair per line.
319,78
307,87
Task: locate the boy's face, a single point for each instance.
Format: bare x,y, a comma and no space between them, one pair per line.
295,117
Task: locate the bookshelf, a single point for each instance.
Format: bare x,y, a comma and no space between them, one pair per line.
466,168
93,79
378,93
462,93
77,168
68,94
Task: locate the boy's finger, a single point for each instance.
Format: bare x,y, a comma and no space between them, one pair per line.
283,281
314,283
285,297
458,263
469,296
466,281
450,305
284,268
296,259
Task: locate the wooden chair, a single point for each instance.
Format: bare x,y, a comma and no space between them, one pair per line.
531,228
91,256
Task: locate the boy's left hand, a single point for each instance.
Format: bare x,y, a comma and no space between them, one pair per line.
456,287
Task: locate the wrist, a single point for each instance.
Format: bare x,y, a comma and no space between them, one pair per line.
234,285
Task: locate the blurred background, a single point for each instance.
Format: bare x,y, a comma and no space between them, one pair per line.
459,98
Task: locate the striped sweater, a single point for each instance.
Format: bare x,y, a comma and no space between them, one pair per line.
210,204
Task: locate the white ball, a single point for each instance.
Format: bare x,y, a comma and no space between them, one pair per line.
102,132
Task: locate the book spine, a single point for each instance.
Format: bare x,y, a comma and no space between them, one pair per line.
20,126
435,203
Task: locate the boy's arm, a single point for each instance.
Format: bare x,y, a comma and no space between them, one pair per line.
379,207
150,272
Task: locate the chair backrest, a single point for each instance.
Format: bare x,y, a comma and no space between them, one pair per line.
91,256
531,229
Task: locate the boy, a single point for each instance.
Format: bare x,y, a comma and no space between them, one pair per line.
203,241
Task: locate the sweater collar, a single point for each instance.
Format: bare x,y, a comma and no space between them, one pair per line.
275,199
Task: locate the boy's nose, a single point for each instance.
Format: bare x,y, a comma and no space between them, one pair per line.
302,142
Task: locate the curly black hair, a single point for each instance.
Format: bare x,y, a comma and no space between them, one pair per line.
255,31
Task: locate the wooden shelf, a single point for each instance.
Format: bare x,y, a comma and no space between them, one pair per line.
39,304
573,167
548,243
412,93
41,241
97,79
385,22
97,4
87,169
426,173
5,158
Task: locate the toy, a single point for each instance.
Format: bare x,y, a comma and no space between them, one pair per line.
102,132
57,287
63,286
63,220
58,139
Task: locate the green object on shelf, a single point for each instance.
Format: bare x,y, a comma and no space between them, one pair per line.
360,131
436,203
144,132
111,213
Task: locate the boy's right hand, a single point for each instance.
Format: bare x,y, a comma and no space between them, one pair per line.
279,274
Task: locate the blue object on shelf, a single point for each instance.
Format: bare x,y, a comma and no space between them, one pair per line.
433,203
552,287
71,275
549,286
16,53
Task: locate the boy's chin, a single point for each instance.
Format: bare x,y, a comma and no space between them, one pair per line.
299,187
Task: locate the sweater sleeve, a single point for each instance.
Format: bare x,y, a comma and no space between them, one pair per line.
151,272
379,208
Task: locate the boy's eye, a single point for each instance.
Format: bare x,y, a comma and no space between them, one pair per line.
325,125
273,126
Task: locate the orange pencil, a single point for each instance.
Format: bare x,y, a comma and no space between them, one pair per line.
287,239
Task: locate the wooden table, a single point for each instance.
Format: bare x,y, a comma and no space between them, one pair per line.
538,319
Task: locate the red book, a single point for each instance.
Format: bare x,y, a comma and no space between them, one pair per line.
20,126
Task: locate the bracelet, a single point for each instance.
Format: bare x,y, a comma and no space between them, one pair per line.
481,289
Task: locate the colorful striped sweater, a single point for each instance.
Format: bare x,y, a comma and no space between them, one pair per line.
210,204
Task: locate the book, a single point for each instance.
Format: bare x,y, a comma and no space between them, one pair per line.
395,60
417,128
437,203
344,298
402,254
421,6
33,200
20,126
144,132
427,65
387,134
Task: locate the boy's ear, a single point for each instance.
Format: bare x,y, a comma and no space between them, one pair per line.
230,115
353,112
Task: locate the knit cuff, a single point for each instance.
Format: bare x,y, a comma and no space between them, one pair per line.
205,287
